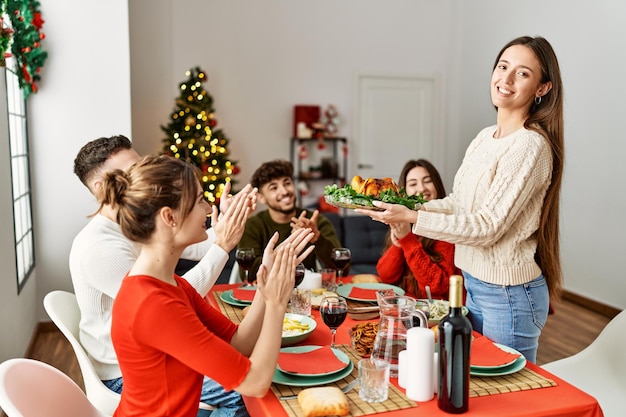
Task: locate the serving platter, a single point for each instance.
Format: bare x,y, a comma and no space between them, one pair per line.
349,205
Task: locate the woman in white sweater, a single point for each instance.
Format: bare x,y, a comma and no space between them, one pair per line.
503,213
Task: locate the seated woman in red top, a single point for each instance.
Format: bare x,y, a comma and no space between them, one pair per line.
166,336
410,261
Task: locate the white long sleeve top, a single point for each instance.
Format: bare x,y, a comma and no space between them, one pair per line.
494,209
100,258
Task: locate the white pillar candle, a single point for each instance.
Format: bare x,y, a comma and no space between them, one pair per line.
311,281
420,346
402,368
436,372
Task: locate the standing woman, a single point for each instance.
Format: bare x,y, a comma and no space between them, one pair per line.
412,262
166,336
503,213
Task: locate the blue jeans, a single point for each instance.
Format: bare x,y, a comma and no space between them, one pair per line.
226,403
510,315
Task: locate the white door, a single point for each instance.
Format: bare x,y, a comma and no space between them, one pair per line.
395,122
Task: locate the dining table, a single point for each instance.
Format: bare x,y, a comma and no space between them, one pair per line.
530,392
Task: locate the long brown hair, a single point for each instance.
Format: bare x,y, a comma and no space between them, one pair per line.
427,244
546,118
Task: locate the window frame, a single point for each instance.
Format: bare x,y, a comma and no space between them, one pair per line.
21,190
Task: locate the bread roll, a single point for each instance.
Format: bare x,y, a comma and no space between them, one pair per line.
361,278
323,401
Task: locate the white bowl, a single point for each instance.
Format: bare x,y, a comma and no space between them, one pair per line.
292,340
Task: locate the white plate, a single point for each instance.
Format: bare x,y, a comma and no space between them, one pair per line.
517,365
344,290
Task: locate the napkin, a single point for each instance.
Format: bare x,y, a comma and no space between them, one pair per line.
318,361
242,294
363,293
485,353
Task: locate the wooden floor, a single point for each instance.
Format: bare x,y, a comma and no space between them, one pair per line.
569,330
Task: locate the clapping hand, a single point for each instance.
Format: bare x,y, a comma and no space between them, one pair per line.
299,240
276,283
398,231
302,222
230,224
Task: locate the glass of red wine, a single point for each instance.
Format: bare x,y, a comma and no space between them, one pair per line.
333,310
300,270
341,259
245,258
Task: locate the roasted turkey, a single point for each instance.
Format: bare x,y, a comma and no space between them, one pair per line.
373,186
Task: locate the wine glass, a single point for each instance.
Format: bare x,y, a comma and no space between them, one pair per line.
341,259
333,310
245,258
300,270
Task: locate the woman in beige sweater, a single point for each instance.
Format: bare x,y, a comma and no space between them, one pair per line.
503,213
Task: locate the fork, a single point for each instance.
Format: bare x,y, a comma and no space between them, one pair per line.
345,389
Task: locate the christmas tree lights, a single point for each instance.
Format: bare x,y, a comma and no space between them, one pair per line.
191,136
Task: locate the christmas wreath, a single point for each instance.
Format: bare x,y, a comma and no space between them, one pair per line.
25,33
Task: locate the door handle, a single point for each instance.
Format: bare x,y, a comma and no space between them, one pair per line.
365,166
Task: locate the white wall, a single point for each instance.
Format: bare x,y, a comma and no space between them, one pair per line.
264,57
589,43
84,94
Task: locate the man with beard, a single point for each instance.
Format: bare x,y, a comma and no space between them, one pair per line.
274,180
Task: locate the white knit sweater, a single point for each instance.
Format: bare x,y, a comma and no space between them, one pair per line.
494,209
99,259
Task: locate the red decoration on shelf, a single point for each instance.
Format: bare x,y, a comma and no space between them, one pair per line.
303,152
306,114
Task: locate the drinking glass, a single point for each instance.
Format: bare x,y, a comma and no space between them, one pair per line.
245,258
300,270
341,259
333,310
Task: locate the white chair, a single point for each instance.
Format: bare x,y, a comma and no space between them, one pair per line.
600,368
30,388
63,309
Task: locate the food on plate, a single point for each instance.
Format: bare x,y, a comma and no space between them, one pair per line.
293,327
373,186
361,192
438,309
362,336
323,401
316,297
364,278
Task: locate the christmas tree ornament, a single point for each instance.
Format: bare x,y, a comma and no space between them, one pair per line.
190,136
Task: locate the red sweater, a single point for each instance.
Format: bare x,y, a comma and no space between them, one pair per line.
409,267
166,338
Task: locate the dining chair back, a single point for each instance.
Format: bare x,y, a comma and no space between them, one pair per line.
599,369
63,310
30,388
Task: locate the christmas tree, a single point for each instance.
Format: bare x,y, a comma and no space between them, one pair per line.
191,136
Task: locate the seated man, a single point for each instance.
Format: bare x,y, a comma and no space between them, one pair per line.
101,256
274,180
